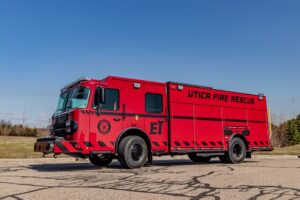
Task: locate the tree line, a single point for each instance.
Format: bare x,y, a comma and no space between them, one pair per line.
286,133
8,129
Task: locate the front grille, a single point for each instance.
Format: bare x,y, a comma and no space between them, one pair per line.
59,127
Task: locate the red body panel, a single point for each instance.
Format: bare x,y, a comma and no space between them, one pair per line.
193,118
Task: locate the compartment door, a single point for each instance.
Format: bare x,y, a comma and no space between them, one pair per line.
182,126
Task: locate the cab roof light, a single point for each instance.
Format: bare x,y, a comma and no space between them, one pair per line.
76,82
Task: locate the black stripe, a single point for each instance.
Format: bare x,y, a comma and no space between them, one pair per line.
88,144
204,143
235,120
177,144
156,144
74,144
217,119
174,117
102,144
197,118
257,121
182,117
126,114
62,147
186,144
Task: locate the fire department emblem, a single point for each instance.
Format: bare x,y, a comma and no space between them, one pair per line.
104,126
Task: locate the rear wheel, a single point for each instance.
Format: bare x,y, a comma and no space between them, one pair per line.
199,159
132,152
237,151
102,160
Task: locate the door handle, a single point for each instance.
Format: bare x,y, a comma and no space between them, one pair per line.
161,121
117,119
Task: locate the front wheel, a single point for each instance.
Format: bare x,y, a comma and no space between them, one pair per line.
237,151
102,160
132,152
199,159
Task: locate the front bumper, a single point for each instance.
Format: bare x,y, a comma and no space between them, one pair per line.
57,146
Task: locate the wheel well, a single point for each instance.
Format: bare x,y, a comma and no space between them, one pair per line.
242,138
136,132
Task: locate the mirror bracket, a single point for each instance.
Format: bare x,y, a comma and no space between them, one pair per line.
100,99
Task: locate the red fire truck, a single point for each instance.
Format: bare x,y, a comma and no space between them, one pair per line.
133,120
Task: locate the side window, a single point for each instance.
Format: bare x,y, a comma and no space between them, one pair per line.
112,101
154,103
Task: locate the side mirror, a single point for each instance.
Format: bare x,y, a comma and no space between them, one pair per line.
101,95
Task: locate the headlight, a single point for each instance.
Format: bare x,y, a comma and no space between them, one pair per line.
71,126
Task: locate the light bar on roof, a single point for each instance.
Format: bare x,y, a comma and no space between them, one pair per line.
75,82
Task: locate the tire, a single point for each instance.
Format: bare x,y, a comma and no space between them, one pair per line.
103,160
199,159
237,151
132,152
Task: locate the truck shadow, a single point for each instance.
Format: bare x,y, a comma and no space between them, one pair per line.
116,165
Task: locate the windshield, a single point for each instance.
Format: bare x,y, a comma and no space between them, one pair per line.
75,98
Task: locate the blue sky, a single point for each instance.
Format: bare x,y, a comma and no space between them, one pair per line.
249,46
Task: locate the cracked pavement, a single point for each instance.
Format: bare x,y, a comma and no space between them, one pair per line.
263,177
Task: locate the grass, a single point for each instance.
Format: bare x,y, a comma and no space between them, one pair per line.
17,147
291,150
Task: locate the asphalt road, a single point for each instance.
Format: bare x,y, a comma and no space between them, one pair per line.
264,177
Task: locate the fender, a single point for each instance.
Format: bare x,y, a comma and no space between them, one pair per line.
239,136
131,131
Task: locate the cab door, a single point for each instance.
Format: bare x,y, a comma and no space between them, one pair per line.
156,124
106,125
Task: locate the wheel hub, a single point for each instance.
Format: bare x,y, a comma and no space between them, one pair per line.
237,150
136,152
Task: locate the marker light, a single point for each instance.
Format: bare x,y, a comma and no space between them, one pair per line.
180,87
261,96
137,85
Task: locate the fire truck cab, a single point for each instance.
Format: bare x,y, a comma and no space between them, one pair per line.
133,120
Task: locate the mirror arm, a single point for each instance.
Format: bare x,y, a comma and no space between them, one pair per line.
99,109
100,100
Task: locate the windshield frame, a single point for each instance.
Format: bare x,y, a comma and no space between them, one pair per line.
68,94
